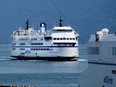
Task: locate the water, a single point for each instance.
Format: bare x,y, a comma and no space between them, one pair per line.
40,73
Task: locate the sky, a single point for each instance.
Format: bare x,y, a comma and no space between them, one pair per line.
85,16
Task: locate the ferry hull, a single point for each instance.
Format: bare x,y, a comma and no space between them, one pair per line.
46,58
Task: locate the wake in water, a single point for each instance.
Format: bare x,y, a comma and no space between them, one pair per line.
5,58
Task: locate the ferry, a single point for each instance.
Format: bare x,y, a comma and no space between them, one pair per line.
101,50
59,43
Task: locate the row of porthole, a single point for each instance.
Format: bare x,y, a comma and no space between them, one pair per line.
20,48
31,43
63,38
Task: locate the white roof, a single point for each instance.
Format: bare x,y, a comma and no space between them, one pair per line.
64,28
103,35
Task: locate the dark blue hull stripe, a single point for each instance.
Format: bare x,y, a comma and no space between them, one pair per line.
44,46
102,63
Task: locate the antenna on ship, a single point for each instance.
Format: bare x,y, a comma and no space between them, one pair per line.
27,24
60,20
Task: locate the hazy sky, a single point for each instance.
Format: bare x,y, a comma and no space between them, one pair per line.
85,16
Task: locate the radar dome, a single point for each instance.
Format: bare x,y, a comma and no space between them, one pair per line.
105,31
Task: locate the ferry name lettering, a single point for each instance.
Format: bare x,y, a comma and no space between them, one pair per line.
108,80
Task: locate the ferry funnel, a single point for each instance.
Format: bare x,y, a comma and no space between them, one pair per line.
43,26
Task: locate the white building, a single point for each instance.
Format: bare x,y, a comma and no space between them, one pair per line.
101,71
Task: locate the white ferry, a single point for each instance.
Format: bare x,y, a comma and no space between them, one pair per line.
60,43
101,71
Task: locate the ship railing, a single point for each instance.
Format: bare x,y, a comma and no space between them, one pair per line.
22,32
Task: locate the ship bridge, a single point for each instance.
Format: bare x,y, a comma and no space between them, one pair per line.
64,35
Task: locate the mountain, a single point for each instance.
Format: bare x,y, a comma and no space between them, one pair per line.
86,16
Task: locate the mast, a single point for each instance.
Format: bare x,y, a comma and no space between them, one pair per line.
27,24
60,20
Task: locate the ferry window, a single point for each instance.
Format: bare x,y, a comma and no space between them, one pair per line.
63,30
60,38
23,39
64,38
113,71
70,38
57,38
22,53
33,48
48,38
54,38
36,43
41,39
67,38
76,38
22,43
114,51
22,48
13,48
93,50
13,43
47,49
73,38
33,38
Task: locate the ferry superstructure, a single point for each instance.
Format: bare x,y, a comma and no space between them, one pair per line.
60,43
101,71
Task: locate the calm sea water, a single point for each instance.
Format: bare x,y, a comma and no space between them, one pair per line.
40,73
